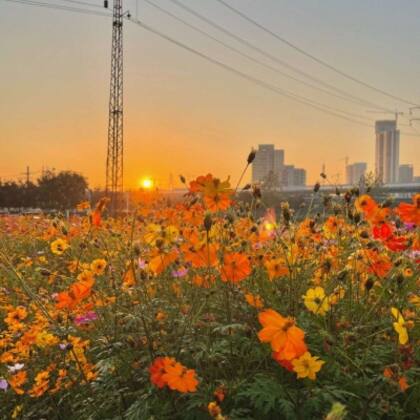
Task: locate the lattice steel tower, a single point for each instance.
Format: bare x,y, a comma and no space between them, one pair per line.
115,155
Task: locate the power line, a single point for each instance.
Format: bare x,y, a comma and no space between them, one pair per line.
253,59
298,98
313,57
305,101
274,58
83,3
59,7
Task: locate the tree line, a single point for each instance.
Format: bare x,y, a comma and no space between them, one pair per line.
60,191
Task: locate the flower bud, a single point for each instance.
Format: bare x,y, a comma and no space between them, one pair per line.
208,222
251,156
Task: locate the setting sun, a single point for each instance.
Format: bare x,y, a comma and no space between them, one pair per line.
147,183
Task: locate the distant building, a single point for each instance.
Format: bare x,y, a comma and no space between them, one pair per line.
293,177
354,172
268,163
405,174
387,151
268,168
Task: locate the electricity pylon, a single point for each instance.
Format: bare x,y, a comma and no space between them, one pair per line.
115,154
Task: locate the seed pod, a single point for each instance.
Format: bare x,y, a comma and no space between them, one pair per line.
364,234
369,284
347,196
251,156
208,222
317,186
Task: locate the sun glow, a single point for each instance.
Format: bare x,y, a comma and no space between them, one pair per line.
147,183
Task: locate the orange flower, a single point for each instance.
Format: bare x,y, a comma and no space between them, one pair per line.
402,382
17,380
365,204
215,192
372,212
236,267
167,371
379,264
156,370
96,215
202,255
410,213
15,315
78,292
287,364
42,382
284,336
254,300
159,263
179,378
388,373
276,268
217,202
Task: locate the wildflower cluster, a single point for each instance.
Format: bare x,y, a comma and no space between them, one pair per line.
213,307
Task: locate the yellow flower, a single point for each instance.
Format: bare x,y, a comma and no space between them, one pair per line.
17,410
44,339
85,275
414,300
59,246
316,301
400,326
336,295
98,266
307,366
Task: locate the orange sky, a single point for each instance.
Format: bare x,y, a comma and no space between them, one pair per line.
185,115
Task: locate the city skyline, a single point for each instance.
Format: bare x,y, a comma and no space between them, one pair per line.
181,111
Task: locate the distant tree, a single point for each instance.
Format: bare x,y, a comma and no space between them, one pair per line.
11,194
62,191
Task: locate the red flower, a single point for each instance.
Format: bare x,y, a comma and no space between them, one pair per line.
410,213
382,231
157,370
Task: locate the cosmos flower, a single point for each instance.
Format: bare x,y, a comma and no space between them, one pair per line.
316,301
98,266
410,213
236,267
306,366
282,333
59,246
86,318
276,267
166,371
3,384
399,326
16,367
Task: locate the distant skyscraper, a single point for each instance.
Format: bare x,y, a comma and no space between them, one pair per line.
387,153
268,163
406,174
354,172
293,177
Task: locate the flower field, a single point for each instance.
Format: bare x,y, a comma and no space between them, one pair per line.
201,309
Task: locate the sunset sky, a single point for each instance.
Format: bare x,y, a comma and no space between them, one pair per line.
186,115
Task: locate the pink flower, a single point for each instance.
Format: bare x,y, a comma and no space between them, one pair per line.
86,318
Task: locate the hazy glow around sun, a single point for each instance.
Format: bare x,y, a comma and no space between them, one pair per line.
147,183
